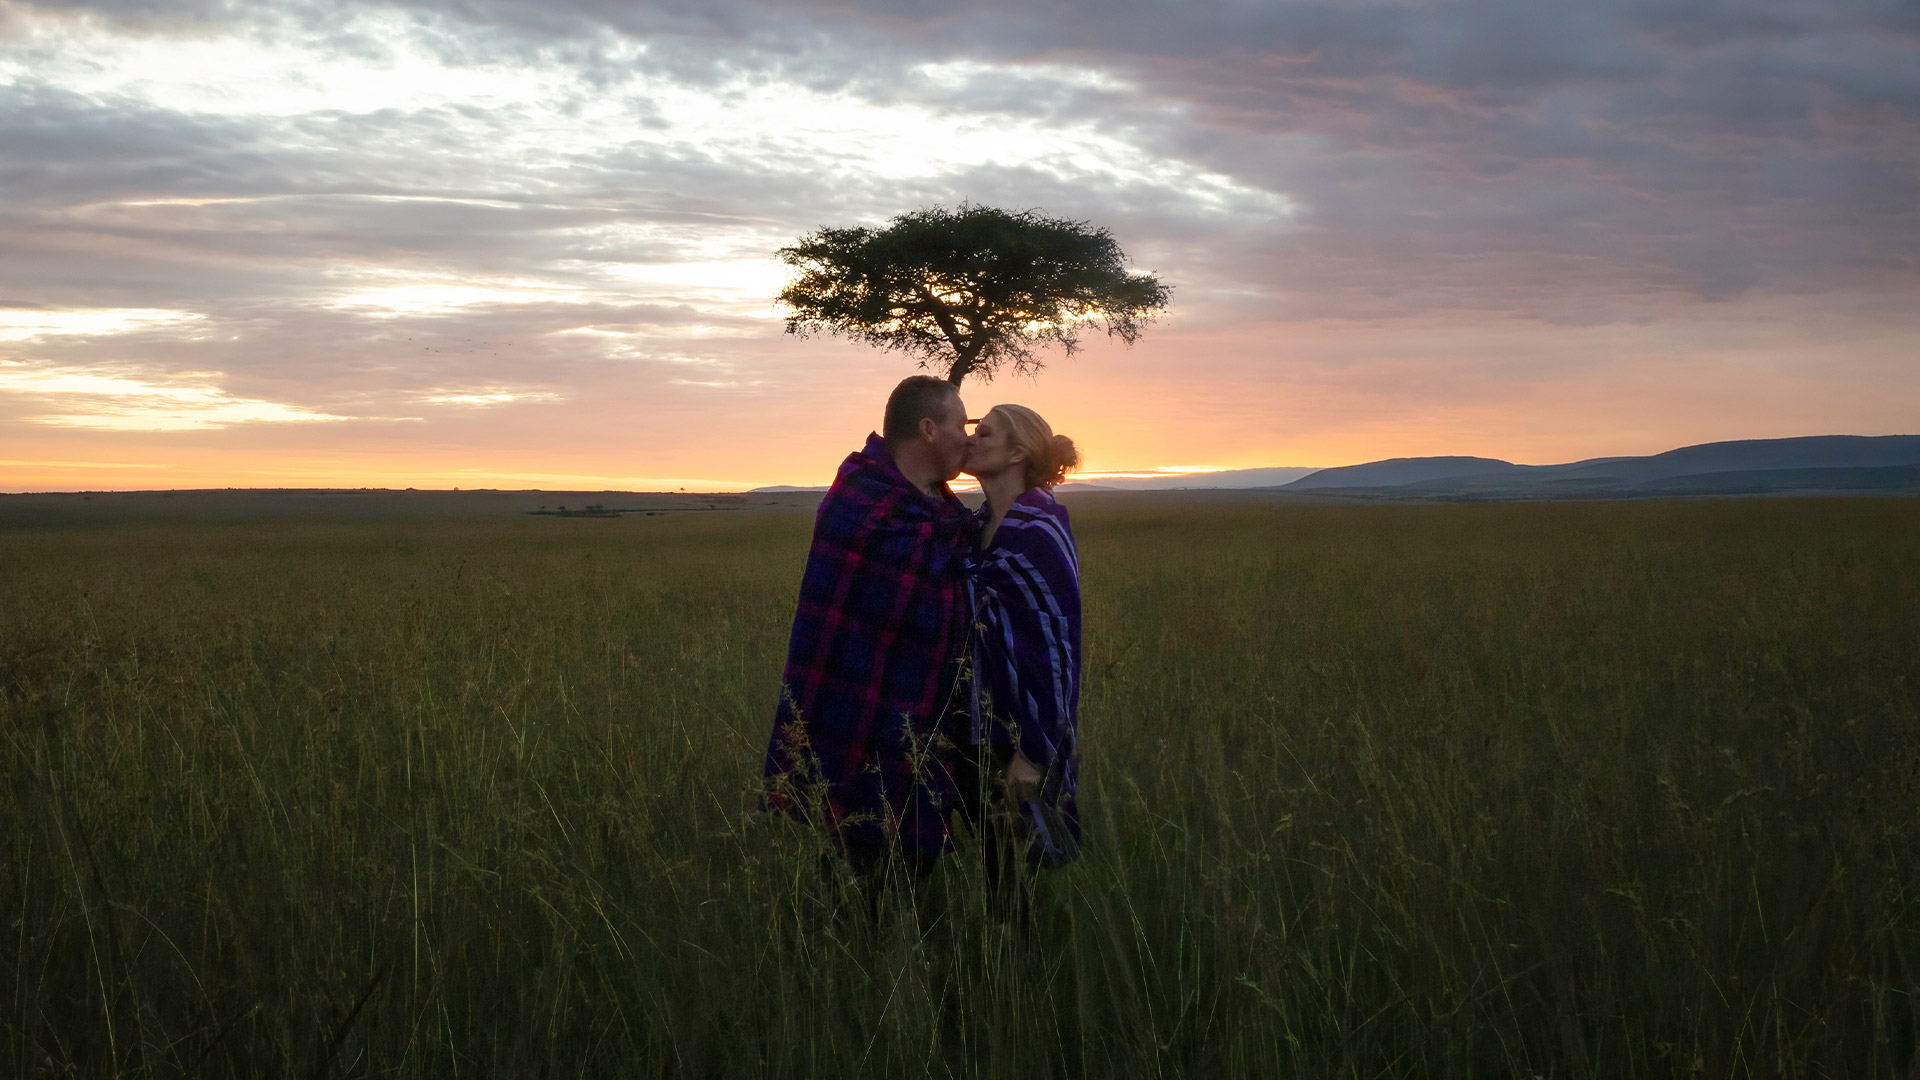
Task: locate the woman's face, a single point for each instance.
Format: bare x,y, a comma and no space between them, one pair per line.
992,452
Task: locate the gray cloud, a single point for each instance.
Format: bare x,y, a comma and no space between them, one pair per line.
1579,165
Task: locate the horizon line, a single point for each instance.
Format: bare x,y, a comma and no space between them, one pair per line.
504,481
677,484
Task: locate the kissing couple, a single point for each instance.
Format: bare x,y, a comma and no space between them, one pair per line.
934,665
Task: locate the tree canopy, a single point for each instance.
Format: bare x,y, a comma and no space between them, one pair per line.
970,289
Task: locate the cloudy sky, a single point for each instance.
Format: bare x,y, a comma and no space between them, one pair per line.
527,243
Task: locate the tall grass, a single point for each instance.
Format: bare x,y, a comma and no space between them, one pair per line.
1568,791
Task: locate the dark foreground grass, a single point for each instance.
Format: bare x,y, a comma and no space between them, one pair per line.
1567,791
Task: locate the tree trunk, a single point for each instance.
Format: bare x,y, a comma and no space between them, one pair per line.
962,365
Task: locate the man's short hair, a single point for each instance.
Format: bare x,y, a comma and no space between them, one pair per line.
917,398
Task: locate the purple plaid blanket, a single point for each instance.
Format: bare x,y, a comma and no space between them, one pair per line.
1025,590
859,734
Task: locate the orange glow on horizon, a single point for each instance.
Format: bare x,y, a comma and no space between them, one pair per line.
1327,394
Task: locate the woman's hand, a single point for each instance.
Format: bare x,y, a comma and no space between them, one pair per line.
1023,780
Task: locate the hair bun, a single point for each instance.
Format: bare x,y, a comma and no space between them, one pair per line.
1048,456
1061,456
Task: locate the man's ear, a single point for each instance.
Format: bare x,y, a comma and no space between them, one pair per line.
928,428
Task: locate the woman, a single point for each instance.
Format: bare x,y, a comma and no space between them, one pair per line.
1025,588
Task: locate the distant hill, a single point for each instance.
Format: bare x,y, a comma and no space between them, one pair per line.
1395,472
1745,467
1811,452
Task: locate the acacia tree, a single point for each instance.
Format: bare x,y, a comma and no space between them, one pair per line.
970,289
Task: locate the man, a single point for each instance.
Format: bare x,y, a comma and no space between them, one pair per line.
860,744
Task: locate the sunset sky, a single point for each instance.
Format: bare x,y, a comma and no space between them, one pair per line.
503,243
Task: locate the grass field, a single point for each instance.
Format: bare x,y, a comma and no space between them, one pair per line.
1585,790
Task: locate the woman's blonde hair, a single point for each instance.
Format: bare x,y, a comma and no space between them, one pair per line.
1049,456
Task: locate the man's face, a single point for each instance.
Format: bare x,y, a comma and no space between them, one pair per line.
950,439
